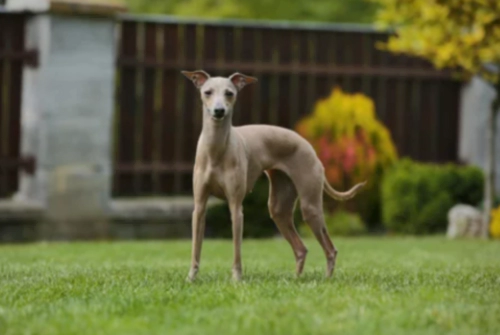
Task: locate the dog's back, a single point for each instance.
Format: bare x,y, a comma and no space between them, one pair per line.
277,141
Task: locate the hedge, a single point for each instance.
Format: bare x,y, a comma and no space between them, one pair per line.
416,197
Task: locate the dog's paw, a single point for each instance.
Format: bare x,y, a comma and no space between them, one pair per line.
191,277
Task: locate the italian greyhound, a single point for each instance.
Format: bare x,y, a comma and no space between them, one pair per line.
229,160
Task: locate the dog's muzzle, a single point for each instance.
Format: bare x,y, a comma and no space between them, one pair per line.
219,113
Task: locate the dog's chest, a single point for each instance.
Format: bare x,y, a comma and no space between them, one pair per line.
224,180
215,181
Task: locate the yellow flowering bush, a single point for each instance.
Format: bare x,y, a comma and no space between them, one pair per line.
495,223
352,145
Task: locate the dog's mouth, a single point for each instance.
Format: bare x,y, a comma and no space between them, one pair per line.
218,118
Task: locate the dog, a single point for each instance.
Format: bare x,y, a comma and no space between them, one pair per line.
229,160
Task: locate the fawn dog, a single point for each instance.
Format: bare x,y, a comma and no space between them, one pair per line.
229,160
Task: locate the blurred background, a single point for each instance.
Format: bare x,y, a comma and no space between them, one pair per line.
98,127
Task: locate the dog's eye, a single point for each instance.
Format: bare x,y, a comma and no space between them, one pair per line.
229,94
208,93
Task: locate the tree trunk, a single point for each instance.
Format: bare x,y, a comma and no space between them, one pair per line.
489,182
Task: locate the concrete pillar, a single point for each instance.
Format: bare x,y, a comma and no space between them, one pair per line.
475,104
68,103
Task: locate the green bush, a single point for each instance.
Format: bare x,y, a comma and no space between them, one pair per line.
340,223
257,222
416,197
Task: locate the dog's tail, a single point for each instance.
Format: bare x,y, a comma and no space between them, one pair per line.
342,196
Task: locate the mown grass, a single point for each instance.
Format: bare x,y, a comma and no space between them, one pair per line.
381,286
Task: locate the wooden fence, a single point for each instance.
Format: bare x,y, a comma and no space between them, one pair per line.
13,56
158,115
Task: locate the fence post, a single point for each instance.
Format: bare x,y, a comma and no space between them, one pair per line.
67,111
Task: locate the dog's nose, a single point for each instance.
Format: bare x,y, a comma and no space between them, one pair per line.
219,112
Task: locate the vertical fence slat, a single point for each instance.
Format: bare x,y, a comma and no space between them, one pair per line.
210,46
357,47
454,122
266,85
257,59
3,33
294,80
391,111
415,112
246,99
346,60
139,107
311,78
274,106
14,125
426,121
181,111
127,88
366,52
236,58
329,50
187,110
382,99
322,56
169,107
435,125
157,109
448,122
200,54
148,97
5,101
401,115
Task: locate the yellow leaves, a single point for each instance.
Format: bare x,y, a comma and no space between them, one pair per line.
485,16
487,53
444,53
340,108
477,34
461,34
434,12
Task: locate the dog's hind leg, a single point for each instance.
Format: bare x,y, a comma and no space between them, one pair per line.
282,199
312,213
310,190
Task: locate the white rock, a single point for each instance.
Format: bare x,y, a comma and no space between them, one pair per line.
464,221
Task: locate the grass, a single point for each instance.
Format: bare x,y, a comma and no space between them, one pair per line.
381,286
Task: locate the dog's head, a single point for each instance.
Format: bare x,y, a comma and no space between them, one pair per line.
218,94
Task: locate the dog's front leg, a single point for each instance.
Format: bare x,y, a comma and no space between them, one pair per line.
198,229
236,208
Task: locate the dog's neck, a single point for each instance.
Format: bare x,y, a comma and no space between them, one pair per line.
216,134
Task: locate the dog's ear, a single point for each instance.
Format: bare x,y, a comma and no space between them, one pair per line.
198,77
240,80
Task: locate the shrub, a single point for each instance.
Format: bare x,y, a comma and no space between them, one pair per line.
257,222
416,197
340,223
352,145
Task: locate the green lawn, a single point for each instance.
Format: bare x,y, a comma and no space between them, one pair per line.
381,286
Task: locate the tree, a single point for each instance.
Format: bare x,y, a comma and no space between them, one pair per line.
461,35
359,11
